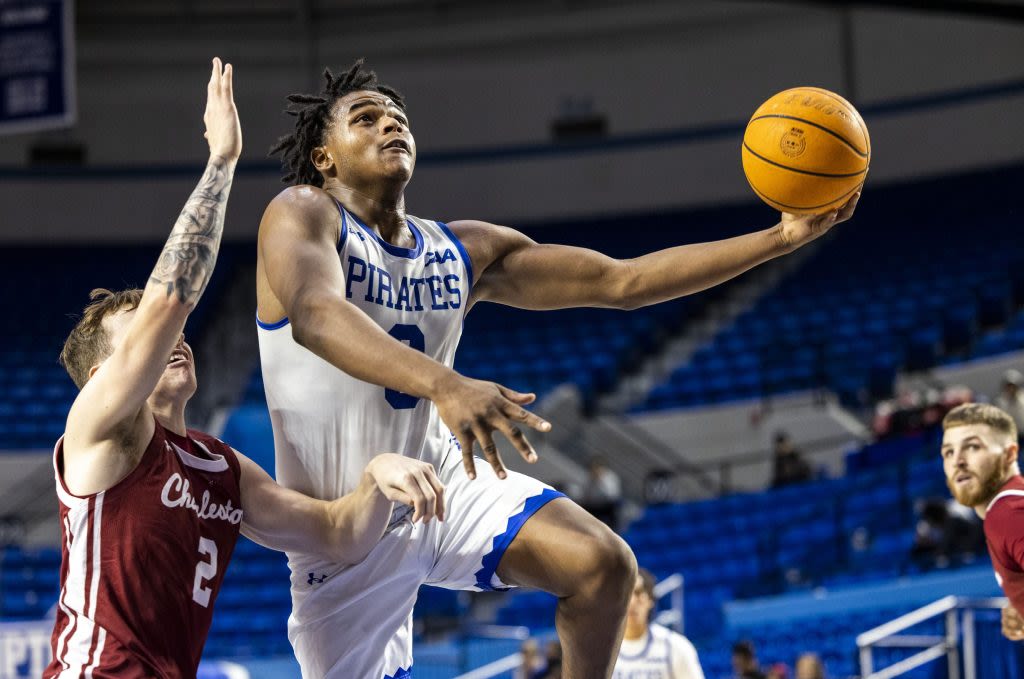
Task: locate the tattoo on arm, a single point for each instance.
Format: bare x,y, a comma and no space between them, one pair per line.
187,260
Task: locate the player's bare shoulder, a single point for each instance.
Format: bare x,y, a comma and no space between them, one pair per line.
305,207
296,248
487,243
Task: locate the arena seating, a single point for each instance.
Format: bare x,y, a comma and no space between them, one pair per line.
783,540
882,295
29,582
35,392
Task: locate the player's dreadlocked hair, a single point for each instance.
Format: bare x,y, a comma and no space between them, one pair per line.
313,113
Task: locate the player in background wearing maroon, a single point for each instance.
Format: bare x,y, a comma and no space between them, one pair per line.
979,457
150,511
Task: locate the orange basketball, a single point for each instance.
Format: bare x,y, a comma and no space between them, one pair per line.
806,151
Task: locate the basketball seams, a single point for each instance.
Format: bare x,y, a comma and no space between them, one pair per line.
850,107
845,175
821,127
777,204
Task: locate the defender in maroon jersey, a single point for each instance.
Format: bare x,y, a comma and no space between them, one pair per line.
150,511
979,457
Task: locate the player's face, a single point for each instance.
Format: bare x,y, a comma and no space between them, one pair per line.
369,140
977,462
178,381
640,604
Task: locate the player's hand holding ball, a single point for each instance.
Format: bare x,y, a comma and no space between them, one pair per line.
409,482
806,153
223,131
797,230
1013,624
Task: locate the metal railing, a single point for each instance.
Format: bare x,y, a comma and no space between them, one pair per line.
959,631
672,586
719,472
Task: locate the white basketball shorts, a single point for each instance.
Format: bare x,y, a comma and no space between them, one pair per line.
356,621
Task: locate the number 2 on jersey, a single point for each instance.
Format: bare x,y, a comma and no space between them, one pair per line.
205,570
405,332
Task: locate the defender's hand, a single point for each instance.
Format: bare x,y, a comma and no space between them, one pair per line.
410,482
1013,624
223,130
473,409
797,230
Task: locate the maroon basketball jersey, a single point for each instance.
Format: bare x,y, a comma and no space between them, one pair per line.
143,561
1004,533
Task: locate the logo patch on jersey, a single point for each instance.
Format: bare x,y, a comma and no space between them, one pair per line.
177,493
313,578
436,257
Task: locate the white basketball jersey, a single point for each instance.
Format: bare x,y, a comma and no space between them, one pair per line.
661,654
328,425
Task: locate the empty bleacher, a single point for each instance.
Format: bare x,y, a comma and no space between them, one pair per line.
884,294
44,290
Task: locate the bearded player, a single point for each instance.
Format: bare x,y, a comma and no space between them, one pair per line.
979,457
150,511
360,308
650,651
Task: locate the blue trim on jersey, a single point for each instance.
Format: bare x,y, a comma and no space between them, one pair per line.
402,673
641,654
272,326
490,562
408,253
462,251
344,225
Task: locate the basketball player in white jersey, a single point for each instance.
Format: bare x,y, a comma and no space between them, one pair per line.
360,308
650,651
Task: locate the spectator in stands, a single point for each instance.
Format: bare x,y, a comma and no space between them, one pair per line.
809,666
531,663
553,662
535,666
790,466
945,534
1011,397
744,661
602,493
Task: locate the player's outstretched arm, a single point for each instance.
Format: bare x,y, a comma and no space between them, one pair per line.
521,273
342,531
299,261
116,392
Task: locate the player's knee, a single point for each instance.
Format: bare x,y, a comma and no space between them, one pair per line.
623,567
609,564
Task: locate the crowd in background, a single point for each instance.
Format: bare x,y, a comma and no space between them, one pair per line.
946,533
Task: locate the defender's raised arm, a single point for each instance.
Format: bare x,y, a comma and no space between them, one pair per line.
114,388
